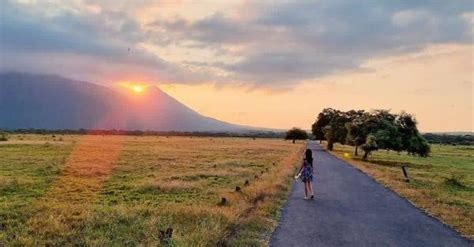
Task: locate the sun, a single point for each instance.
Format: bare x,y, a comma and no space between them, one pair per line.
137,88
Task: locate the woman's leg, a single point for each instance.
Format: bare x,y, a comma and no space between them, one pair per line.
306,189
311,188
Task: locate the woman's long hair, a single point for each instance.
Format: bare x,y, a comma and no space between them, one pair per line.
309,156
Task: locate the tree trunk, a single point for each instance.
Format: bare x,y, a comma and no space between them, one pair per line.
294,141
356,149
330,145
320,141
365,155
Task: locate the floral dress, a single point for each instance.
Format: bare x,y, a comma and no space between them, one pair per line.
307,173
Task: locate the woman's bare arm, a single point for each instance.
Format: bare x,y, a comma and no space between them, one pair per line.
301,168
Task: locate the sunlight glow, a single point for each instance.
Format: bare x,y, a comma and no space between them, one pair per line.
137,88
132,87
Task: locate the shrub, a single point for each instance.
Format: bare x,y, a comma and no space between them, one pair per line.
3,137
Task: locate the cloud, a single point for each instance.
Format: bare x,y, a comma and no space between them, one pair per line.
261,43
286,67
285,43
94,44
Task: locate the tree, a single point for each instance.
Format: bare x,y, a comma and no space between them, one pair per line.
296,134
322,121
406,125
411,139
386,131
356,135
330,136
381,126
369,146
418,146
330,126
388,137
336,130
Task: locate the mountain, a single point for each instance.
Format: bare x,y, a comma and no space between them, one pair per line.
53,102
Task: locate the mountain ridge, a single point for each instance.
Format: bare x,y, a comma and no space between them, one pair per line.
54,102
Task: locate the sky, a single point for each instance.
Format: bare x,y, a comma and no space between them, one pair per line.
273,64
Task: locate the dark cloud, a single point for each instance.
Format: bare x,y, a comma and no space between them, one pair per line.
286,68
65,33
80,45
212,30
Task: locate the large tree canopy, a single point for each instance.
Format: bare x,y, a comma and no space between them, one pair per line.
378,129
322,121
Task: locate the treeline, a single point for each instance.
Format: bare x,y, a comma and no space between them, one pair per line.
370,131
251,134
449,139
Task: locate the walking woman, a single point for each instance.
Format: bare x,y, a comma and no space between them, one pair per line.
306,172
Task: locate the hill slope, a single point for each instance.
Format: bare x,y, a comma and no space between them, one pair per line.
52,102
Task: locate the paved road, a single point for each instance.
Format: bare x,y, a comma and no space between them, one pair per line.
351,209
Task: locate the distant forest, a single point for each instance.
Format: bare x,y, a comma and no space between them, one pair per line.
449,139
433,138
251,134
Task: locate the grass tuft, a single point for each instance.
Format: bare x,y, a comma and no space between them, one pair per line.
455,181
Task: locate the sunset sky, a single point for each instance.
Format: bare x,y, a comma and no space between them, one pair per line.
261,63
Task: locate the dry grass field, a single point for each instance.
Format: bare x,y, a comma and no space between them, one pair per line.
122,190
442,184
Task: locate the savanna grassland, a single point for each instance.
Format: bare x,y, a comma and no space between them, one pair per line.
441,184
122,190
